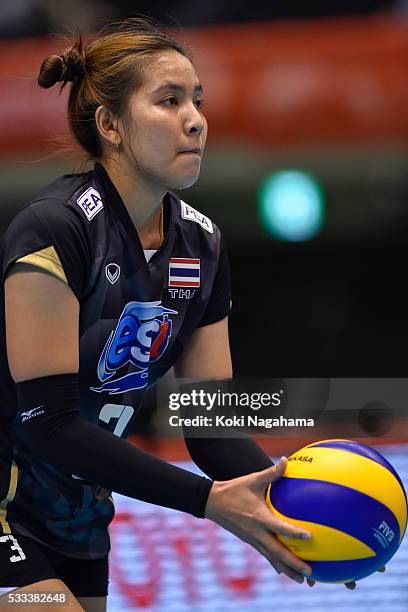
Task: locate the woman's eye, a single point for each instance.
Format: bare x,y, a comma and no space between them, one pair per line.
172,100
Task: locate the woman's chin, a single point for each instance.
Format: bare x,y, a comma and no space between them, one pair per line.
185,182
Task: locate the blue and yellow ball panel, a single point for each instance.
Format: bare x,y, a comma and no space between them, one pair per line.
351,500
359,449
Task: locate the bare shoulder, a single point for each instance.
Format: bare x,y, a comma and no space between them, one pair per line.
42,315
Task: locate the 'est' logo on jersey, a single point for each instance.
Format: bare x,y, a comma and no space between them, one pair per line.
141,337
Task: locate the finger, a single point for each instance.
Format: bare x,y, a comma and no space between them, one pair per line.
288,571
350,585
311,582
278,566
270,521
290,531
278,551
382,570
265,477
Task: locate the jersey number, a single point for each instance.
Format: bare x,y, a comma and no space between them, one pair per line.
114,411
14,545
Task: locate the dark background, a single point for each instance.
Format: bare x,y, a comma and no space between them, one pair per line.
332,306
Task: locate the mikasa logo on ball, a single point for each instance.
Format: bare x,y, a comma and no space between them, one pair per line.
301,458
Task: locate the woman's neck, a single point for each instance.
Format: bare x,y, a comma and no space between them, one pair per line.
142,202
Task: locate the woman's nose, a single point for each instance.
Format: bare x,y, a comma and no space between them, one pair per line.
195,124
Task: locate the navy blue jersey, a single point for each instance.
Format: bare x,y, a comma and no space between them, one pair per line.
136,317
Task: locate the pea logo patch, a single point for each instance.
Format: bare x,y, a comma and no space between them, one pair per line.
191,214
90,202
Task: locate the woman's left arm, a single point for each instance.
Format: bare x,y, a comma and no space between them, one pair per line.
207,357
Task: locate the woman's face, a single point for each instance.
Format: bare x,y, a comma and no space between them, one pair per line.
166,121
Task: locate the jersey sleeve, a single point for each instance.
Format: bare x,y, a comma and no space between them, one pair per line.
49,236
219,304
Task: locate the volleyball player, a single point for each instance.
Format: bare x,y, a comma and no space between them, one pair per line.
89,323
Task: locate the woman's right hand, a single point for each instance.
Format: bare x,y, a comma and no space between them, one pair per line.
239,506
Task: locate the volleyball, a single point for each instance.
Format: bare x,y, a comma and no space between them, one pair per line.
352,501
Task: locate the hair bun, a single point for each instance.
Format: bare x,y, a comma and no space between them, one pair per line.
51,71
69,67
74,65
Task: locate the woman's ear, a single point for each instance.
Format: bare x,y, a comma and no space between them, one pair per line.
106,124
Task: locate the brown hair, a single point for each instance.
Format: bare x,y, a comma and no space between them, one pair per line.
105,72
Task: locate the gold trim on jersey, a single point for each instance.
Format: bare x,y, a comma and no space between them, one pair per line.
48,260
9,497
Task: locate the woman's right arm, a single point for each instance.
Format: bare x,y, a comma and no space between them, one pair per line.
42,330
42,324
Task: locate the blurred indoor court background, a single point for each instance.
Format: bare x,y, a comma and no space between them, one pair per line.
306,172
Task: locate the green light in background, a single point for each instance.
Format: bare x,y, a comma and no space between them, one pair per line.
291,205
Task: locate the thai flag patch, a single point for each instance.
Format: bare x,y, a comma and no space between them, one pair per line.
184,272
